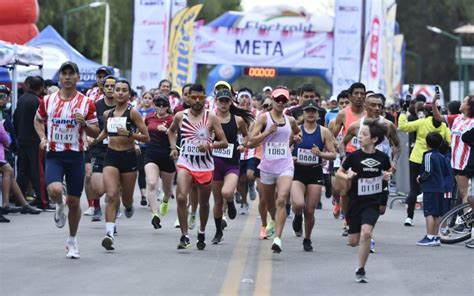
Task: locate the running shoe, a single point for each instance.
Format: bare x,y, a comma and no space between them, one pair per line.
115,230
244,209
408,222
345,231
270,230
89,211
129,212
97,215
360,276
201,244
319,206
164,208
372,246
263,233
176,223
143,201
461,229
252,191
72,250
27,209
231,210
118,213
276,246
218,238
298,225
336,210
155,221
60,216
237,197
3,219
307,245
192,221
437,241
224,222
470,243
108,242
426,242
184,243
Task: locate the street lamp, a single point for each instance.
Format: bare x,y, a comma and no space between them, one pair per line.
458,51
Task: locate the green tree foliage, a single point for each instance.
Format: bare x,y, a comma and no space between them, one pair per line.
437,51
86,28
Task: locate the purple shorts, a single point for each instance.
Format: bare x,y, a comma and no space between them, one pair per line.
222,168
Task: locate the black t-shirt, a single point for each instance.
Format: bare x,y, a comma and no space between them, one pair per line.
100,107
368,187
23,119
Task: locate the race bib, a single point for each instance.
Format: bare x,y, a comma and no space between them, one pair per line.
65,135
224,152
240,139
276,150
368,186
337,161
190,148
355,142
114,123
305,156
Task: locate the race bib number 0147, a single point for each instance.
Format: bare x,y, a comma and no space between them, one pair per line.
65,135
369,186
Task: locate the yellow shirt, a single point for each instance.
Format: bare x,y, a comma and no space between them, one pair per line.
422,127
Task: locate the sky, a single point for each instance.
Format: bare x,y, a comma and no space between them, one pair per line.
309,5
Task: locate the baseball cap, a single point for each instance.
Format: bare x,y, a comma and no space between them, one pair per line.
103,69
161,98
333,99
71,65
267,88
222,83
281,92
310,104
224,93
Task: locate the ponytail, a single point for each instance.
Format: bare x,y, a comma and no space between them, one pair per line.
246,115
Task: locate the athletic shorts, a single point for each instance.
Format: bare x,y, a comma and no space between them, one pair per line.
67,165
434,204
461,173
222,168
87,156
201,178
97,164
250,164
270,178
355,219
309,175
164,162
125,161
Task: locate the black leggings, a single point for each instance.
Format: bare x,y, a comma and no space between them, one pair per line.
414,188
141,169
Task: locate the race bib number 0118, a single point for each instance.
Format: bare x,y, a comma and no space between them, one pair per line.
276,150
305,156
224,152
369,186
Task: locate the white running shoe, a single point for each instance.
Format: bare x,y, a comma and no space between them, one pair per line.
89,211
60,216
72,250
176,223
408,222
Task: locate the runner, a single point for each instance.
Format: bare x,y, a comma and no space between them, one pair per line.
226,161
96,93
195,163
317,144
274,129
367,170
70,116
123,126
158,163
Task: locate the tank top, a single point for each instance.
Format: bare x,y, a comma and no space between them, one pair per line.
302,151
122,121
229,154
384,146
350,118
276,156
193,134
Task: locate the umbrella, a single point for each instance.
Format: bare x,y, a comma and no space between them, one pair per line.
466,29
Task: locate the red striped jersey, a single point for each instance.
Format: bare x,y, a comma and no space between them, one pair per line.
95,94
64,133
460,151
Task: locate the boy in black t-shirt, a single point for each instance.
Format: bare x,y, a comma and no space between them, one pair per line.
368,171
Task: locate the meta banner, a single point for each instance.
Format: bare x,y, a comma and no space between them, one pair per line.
263,48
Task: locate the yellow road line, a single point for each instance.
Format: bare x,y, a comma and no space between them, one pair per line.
263,281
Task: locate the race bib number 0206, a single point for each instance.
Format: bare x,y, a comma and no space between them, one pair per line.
369,186
224,152
276,150
305,156
190,148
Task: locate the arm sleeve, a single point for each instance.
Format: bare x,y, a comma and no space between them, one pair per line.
426,164
446,134
41,112
347,164
406,126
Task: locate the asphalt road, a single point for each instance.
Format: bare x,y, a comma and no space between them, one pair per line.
146,261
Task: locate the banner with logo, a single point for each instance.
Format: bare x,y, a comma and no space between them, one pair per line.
372,65
180,65
264,48
177,5
347,44
388,49
397,65
150,42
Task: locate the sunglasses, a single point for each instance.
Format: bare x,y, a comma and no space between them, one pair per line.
161,104
265,106
281,100
198,97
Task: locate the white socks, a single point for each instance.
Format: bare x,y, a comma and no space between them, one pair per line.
109,228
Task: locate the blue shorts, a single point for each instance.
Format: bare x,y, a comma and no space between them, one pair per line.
250,164
68,165
434,204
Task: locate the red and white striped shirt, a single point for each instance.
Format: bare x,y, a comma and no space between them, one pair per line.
95,94
64,133
460,151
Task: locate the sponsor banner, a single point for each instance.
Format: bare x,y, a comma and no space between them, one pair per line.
150,42
177,5
397,66
180,66
372,66
263,48
388,49
347,44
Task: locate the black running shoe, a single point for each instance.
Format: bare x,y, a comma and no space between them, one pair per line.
218,238
231,210
155,221
143,201
307,246
115,230
184,243
360,276
224,224
201,244
298,225
108,243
